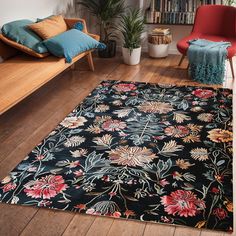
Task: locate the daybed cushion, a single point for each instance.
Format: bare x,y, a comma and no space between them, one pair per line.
49,27
22,47
18,35
71,43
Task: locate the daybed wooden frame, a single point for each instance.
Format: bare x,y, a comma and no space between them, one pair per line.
21,74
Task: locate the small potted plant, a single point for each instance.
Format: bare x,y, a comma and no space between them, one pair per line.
108,13
230,2
132,27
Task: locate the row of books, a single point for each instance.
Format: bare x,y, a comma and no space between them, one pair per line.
175,11
170,17
180,5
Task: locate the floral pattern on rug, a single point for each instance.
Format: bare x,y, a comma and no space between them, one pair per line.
148,152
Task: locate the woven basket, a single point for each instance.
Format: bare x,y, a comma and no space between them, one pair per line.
159,39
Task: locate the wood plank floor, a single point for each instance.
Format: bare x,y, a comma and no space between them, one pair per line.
25,125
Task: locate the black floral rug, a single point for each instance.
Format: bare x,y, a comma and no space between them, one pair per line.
140,151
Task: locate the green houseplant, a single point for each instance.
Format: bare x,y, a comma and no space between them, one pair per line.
132,27
230,2
108,13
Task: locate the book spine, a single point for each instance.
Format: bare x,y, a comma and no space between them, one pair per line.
175,11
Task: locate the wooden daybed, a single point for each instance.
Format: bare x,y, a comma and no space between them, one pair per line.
21,75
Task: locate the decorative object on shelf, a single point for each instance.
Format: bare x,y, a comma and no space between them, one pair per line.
132,27
158,42
108,14
176,11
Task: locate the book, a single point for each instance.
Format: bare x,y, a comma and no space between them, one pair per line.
175,11
160,31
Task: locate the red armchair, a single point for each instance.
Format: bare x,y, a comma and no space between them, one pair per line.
215,23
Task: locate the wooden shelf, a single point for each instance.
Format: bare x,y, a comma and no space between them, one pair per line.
168,24
166,10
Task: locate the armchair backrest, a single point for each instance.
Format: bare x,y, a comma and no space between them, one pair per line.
218,20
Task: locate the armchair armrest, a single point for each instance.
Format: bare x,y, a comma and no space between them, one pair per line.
70,22
95,36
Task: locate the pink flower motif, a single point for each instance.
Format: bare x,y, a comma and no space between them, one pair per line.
167,220
39,158
79,173
133,94
45,187
44,203
32,169
124,87
113,125
183,203
112,194
116,214
220,213
92,211
8,187
159,137
74,164
215,190
177,131
105,84
106,178
203,93
163,182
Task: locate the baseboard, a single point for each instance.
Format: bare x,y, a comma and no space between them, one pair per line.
173,51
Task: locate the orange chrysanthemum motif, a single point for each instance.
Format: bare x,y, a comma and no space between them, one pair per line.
131,156
220,136
206,117
124,87
177,131
156,107
73,122
200,154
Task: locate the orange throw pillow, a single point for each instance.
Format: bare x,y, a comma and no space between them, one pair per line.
49,27
22,47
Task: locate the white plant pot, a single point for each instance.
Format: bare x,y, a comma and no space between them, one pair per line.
158,51
132,58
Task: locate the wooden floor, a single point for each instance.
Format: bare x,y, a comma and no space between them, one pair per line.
25,125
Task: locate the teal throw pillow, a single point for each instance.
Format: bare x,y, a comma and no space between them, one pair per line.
71,43
19,32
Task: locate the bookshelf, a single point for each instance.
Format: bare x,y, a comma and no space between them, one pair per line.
173,12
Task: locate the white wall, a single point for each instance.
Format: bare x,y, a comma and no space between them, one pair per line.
31,9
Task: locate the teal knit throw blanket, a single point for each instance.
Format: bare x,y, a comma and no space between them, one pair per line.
207,60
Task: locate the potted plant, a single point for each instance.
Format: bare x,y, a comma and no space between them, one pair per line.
108,13
230,2
132,27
